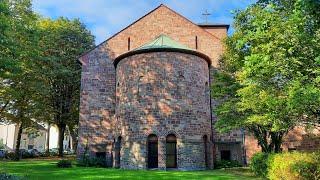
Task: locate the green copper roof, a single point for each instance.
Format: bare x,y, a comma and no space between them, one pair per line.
162,42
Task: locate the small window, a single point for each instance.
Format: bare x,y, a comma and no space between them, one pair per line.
225,155
128,43
196,42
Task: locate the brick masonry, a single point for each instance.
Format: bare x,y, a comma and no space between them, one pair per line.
106,112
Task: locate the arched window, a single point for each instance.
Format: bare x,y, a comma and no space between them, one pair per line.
118,152
171,151
152,151
205,146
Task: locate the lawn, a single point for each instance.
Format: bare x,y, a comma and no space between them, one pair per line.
46,169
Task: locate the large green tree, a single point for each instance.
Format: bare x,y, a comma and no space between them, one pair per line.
19,51
269,77
62,42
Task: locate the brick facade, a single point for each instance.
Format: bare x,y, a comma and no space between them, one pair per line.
120,108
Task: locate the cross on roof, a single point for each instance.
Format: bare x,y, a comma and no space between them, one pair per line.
206,14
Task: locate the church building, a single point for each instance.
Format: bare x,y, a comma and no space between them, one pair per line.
145,97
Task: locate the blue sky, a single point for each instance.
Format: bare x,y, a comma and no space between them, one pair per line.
106,17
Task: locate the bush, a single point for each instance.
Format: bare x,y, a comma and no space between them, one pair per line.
284,165
309,170
11,155
9,177
87,161
64,164
259,164
226,164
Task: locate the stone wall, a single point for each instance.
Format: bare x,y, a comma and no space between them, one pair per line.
98,126
97,101
163,93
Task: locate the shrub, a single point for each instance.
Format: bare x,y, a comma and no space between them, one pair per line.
64,164
87,161
226,164
11,155
9,176
259,164
309,170
284,165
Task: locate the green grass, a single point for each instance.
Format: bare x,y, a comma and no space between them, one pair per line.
47,169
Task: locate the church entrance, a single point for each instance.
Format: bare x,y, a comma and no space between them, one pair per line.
171,151
152,151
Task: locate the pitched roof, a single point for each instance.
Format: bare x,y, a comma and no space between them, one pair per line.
161,42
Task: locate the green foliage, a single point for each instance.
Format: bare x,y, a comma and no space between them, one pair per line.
87,161
11,155
64,164
259,164
290,165
309,170
62,42
284,165
226,164
39,72
269,77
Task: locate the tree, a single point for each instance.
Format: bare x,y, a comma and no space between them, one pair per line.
269,77
62,42
17,78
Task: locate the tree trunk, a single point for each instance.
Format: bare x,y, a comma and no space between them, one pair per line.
48,140
18,141
61,128
276,141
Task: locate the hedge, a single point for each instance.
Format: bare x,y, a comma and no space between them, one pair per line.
287,166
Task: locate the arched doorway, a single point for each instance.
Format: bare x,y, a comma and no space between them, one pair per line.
152,145
118,152
171,151
205,146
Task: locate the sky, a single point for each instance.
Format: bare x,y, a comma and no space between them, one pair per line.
106,17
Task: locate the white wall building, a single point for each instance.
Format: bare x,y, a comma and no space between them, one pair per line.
8,134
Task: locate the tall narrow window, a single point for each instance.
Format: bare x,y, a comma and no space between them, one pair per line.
205,146
128,43
196,42
152,151
171,151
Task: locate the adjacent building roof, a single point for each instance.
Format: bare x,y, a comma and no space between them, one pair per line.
162,43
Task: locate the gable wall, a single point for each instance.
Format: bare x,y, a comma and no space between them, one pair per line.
165,21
